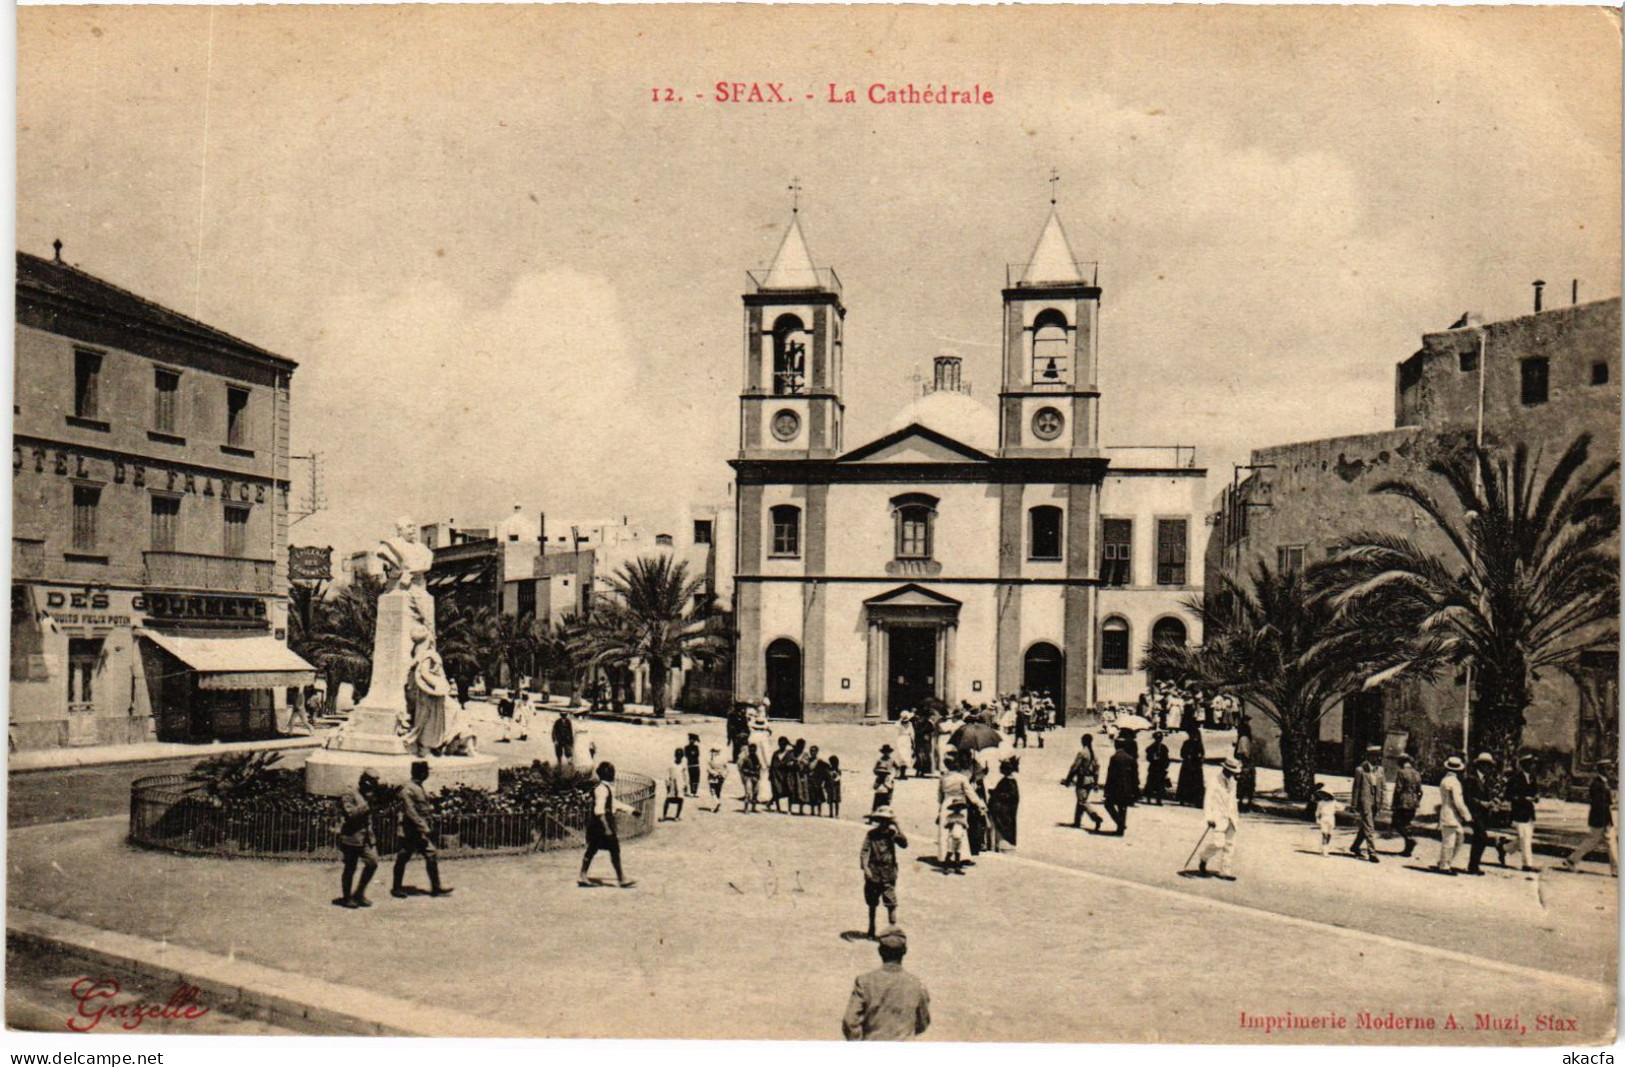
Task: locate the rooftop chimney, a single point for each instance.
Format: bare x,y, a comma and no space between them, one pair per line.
1574,292
1539,286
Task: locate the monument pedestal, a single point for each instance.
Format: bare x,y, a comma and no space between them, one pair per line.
329,772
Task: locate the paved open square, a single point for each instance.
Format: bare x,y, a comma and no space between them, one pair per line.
1075,936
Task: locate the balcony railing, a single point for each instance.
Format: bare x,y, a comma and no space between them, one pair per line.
815,279
189,570
1153,455
1018,274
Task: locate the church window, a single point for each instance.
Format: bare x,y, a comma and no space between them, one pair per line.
1172,550
1044,540
789,356
914,514
1117,552
1047,424
1052,350
786,424
786,531
1114,645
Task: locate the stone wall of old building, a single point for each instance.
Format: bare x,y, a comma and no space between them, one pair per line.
1306,497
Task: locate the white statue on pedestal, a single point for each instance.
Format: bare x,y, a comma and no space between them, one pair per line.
428,725
406,563
405,715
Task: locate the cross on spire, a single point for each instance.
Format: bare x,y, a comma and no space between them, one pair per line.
795,196
1054,177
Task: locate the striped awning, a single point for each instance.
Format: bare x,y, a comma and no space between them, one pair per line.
249,661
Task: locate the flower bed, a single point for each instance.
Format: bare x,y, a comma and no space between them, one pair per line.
268,815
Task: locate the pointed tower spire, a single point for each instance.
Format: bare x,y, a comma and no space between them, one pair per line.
792,265
1052,261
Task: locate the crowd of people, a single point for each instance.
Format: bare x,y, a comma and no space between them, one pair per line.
978,811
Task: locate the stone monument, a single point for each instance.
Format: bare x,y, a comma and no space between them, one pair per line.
404,716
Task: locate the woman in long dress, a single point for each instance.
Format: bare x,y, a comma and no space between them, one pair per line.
903,747
1192,788
762,737
945,730
798,773
1003,803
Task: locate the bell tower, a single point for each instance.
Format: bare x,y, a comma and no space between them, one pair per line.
1049,401
794,325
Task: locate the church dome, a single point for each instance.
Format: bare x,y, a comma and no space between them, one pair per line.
517,526
953,414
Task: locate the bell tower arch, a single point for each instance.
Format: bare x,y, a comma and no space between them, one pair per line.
1049,401
794,326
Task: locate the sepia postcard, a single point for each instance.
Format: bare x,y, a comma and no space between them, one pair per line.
1039,524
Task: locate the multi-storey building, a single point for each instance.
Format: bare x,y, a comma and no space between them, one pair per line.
967,553
149,503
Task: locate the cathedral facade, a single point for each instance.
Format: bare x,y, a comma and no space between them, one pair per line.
964,554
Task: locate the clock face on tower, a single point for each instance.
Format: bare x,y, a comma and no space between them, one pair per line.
1047,424
786,424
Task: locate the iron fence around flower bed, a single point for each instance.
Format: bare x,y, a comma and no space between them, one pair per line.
177,814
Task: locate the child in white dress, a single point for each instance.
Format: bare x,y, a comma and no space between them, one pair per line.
1326,808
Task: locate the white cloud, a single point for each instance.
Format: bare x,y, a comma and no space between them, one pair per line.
428,403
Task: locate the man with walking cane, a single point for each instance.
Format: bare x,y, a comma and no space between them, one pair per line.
1223,819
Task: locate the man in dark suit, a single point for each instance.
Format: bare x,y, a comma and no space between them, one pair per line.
564,736
1122,784
1478,790
691,757
1364,799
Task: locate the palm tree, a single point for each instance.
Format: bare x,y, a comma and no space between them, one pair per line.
1531,581
337,634
513,642
564,652
649,617
460,644
1279,644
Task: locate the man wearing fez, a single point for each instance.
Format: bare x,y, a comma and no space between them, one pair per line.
417,835
356,841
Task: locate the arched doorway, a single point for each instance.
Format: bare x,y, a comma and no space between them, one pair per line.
1169,631
1043,672
784,679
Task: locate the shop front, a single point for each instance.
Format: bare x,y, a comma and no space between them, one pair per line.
217,683
74,675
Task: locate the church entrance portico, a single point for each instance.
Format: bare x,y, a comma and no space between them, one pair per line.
911,675
911,649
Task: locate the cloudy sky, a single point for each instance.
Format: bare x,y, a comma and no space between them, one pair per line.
509,276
